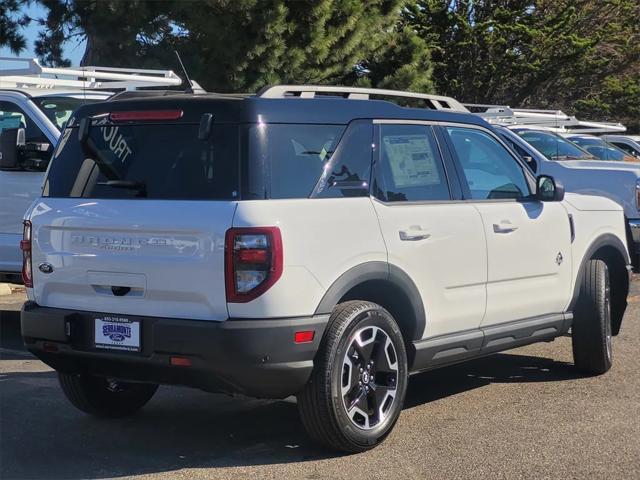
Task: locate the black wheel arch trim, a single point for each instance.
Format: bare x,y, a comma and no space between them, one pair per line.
375,271
605,240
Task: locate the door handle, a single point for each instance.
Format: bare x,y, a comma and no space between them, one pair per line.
413,234
505,226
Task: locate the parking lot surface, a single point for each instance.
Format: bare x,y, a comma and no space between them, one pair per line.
522,414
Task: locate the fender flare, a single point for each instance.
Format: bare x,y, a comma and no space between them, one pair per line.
375,271
605,240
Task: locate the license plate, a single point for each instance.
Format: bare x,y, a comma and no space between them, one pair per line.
117,333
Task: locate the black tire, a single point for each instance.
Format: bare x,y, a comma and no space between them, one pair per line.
101,397
343,365
591,330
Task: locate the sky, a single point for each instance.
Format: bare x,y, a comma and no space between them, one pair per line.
72,50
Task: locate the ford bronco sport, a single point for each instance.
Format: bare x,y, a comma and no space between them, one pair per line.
308,241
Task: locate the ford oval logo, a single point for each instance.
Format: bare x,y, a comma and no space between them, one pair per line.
45,267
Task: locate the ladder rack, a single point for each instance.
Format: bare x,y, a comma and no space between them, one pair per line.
435,102
555,120
28,73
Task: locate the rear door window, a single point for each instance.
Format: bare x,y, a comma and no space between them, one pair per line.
149,161
410,167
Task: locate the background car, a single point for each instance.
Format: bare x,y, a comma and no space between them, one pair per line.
625,143
552,145
601,149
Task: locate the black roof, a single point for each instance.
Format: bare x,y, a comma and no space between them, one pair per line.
253,109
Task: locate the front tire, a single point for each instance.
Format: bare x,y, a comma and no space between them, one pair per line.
591,330
104,397
357,388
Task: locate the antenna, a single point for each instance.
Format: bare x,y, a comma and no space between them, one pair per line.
186,75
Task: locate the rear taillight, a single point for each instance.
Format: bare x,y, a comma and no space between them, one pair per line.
638,194
253,262
25,246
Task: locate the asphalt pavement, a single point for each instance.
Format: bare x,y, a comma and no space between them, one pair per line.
522,414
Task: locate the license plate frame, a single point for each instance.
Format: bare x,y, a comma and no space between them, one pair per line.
115,332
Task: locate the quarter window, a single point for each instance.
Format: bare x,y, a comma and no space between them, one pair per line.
491,171
348,171
410,167
287,160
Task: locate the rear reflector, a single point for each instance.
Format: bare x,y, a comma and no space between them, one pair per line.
180,362
305,336
145,115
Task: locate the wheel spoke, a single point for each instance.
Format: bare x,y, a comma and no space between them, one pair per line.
365,343
385,359
380,394
359,406
350,375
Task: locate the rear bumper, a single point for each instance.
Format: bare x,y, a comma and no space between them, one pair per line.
256,357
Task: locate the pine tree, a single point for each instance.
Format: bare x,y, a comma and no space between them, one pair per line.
243,45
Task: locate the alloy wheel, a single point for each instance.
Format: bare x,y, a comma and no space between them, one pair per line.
369,377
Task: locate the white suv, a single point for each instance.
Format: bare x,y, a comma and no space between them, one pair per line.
289,243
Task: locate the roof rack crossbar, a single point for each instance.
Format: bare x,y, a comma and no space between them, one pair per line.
29,72
436,102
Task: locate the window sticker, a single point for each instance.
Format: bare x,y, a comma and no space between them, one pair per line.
411,160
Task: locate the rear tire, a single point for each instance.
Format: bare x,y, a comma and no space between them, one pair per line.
104,397
356,391
591,330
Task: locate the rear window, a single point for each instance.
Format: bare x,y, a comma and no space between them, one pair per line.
146,161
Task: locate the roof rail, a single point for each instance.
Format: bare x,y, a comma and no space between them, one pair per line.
435,102
555,120
27,72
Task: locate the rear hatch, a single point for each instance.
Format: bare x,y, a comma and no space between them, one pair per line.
133,216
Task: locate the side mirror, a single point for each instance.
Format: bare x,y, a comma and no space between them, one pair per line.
11,140
530,162
548,190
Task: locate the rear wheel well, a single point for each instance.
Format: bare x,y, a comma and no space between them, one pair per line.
391,297
619,280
